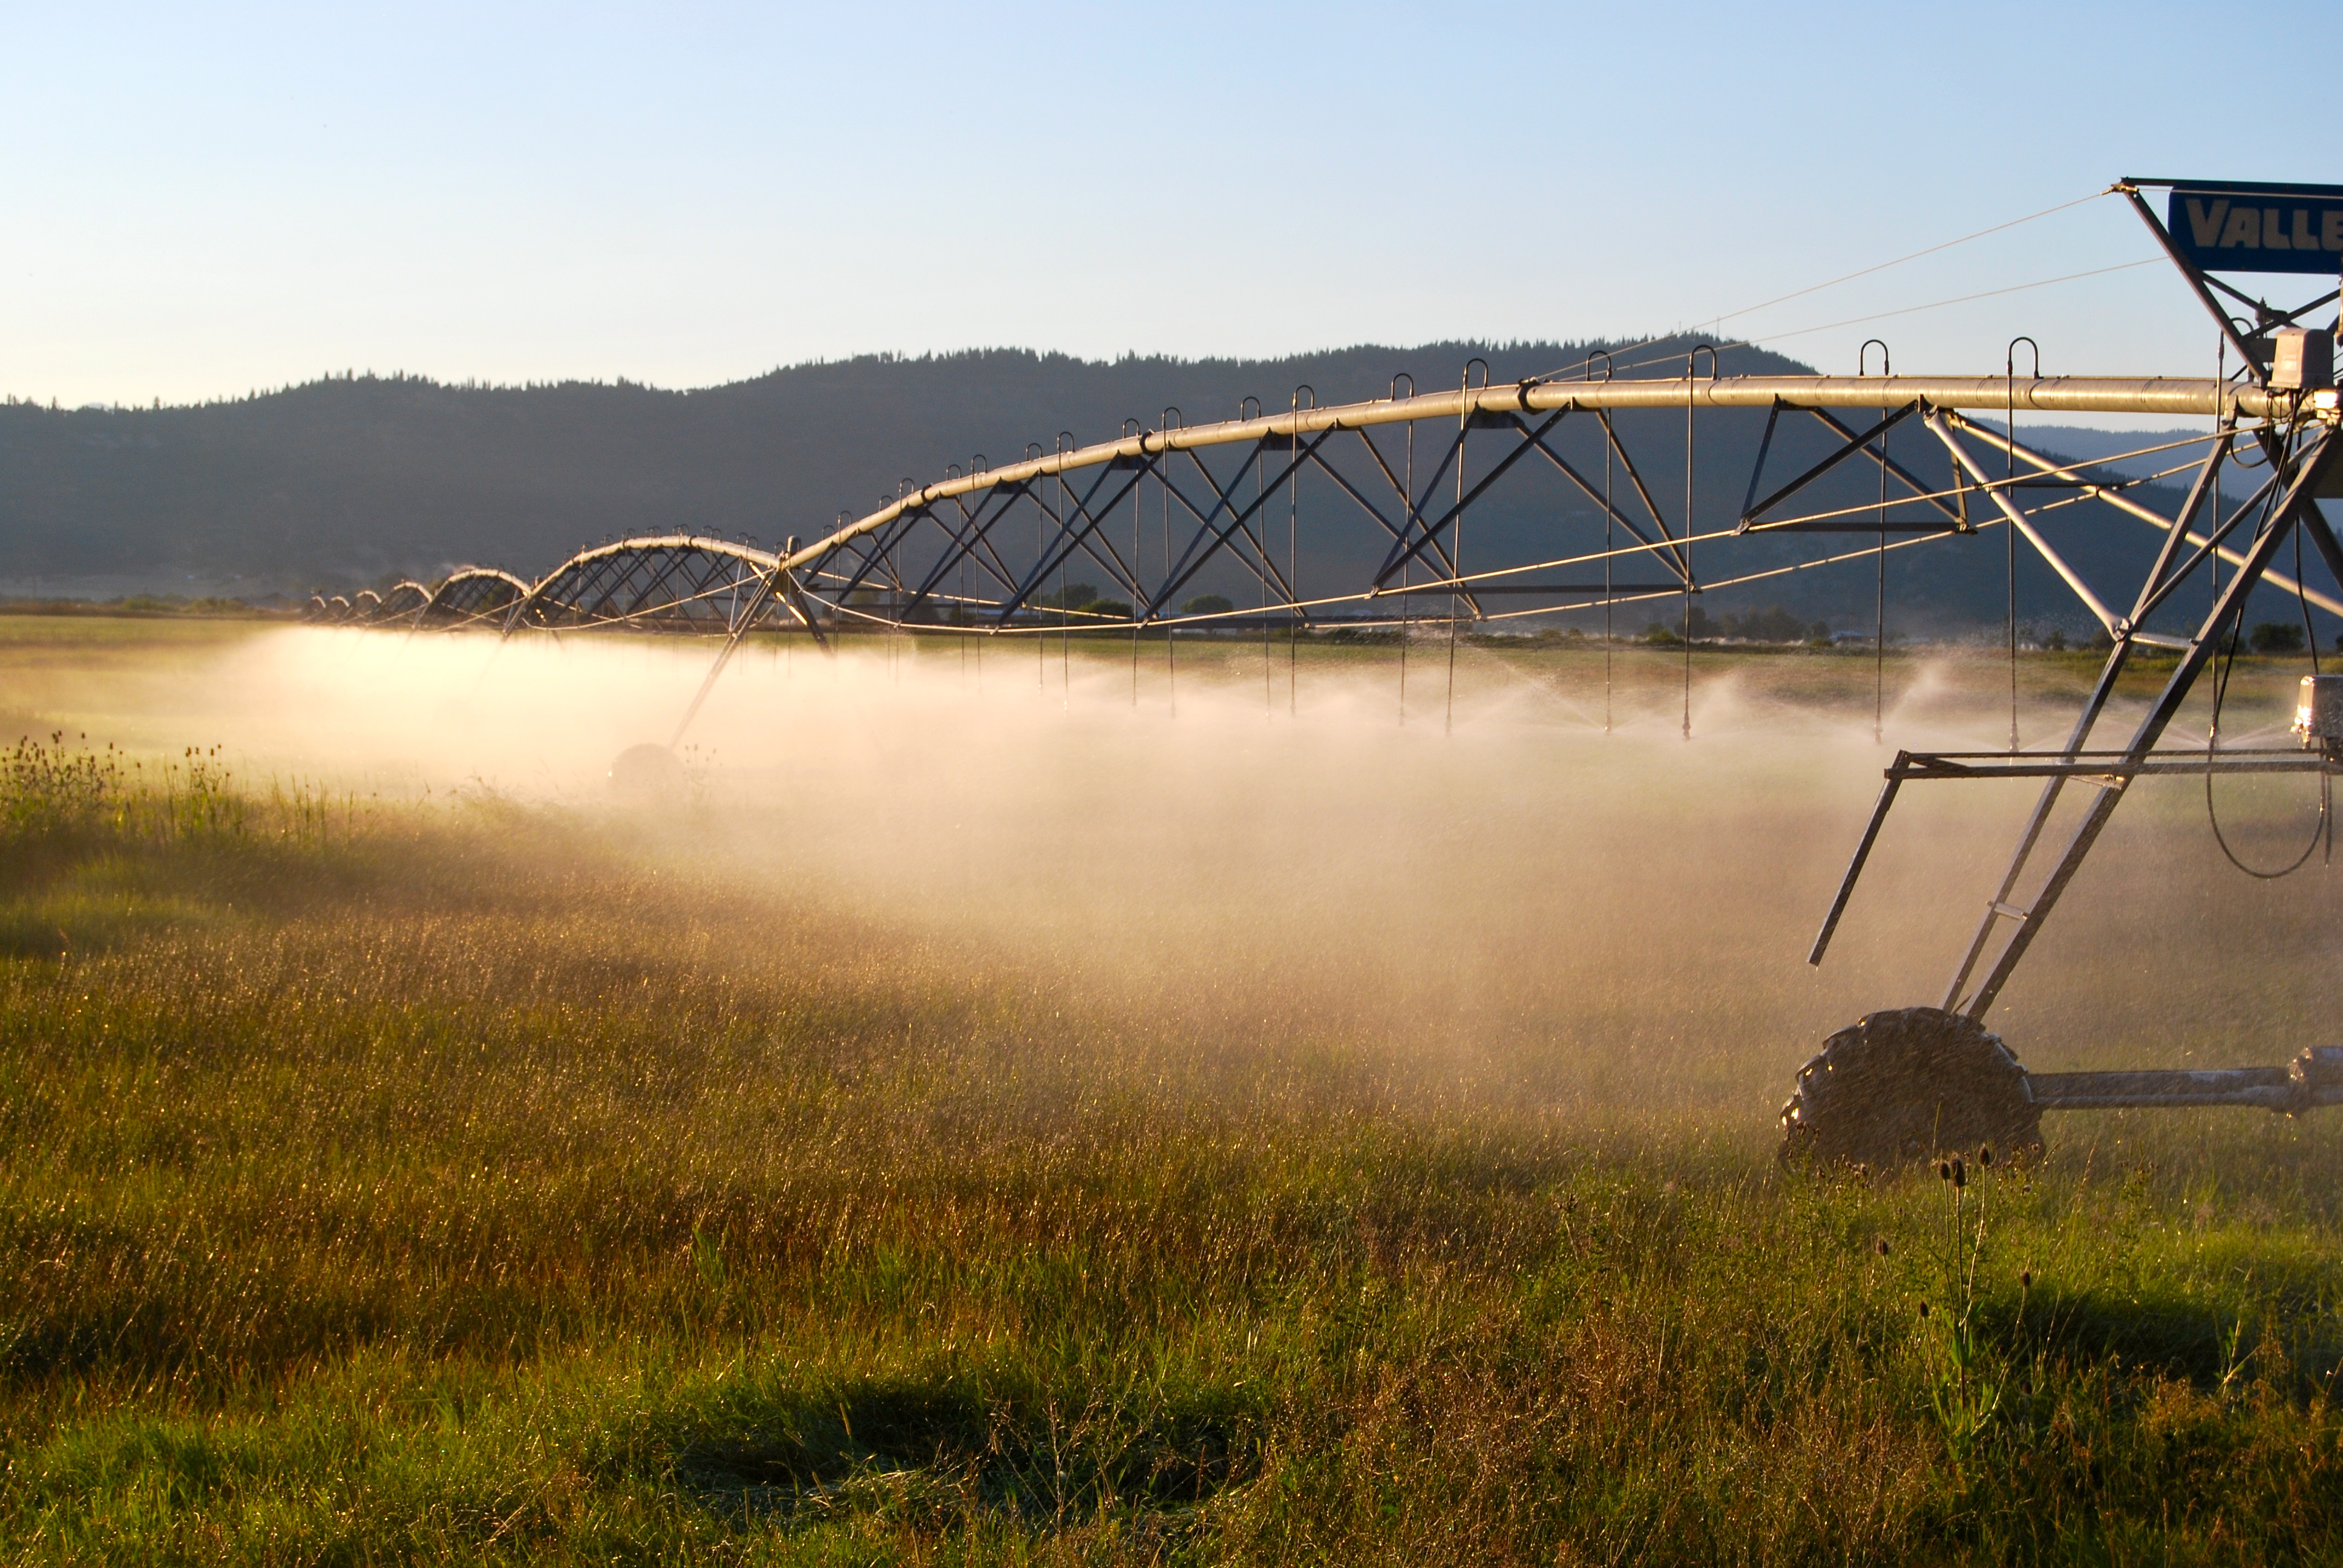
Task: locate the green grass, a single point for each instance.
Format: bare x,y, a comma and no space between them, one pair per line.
469,1181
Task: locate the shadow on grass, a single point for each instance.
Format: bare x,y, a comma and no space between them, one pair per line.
2201,1342
79,923
939,1448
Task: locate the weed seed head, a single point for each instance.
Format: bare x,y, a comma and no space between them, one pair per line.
1985,1155
1880,1246
1924,1310
1944,1170
1960,1172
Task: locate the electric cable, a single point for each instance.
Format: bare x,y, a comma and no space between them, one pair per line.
1867,271
2323,828
1761,341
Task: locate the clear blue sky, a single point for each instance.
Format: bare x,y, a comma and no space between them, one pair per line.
204,199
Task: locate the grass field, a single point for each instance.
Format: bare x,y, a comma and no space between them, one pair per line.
986,1118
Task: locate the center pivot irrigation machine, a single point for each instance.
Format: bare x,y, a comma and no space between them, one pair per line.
1566,517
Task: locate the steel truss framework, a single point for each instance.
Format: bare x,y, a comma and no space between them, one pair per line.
976,552
936,559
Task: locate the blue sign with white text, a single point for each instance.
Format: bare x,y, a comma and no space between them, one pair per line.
2238,228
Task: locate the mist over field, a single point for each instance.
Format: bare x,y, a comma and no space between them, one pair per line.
1496,889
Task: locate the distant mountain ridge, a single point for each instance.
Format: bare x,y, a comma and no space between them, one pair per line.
347,480
341,481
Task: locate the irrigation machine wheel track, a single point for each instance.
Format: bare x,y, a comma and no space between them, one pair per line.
1905,1085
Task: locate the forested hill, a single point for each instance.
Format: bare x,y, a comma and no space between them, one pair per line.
347,480
341,481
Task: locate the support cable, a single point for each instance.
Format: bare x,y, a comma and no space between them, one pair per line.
1406,563
1171,633
1879,614
1036,602
1760,342
1878,266
1627,594
1456,533
1138,508
1065,621
2009,536
1692,363
964,602
1879,586
2057,477
1880,607
1268,665
1294,565
1608,594
960,612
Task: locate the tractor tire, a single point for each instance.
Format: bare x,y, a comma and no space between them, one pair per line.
1907,1085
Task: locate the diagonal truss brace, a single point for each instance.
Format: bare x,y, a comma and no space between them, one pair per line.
2017,519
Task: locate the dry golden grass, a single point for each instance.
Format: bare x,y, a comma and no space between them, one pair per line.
478,1180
